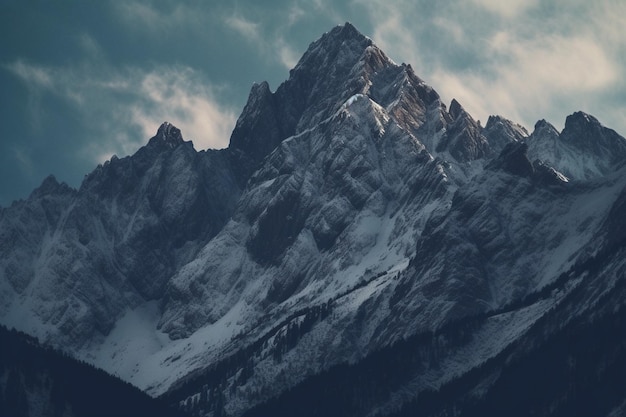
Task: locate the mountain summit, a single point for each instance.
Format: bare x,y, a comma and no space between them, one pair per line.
167,135
335,67
358,249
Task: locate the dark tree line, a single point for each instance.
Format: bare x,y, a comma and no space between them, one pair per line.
205,391
38,373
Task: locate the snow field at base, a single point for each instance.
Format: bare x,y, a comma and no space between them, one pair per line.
137,352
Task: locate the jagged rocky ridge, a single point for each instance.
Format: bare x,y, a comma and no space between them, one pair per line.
351,211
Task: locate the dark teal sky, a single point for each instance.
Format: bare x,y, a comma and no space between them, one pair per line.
83,80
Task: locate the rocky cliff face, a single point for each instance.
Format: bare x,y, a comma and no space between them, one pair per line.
352,211
74,261
583,150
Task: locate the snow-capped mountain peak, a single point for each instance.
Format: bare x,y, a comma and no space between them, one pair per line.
342,47
167,135
544,128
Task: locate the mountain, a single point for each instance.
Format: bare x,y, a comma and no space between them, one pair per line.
360,248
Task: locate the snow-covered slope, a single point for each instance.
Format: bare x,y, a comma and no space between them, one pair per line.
352,210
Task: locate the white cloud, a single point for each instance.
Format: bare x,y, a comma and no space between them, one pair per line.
176,95
564,63
530,78
287,55
510,58
246,28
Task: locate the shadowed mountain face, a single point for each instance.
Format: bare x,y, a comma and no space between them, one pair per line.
355,233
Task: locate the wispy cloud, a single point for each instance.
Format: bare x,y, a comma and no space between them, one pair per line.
25,161
37,80
273,36
244,27
507,9
157,16
124,107
392,35
90,47
34,76
141,13
296,13
274,45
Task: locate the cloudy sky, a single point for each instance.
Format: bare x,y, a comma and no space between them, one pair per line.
83,80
